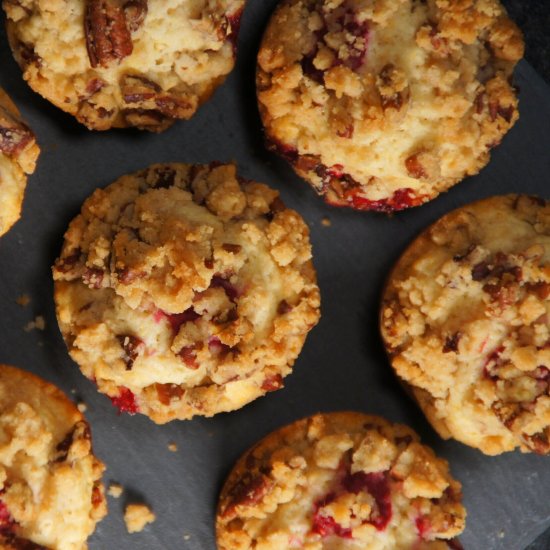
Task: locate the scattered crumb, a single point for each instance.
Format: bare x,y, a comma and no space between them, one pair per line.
501,535
38,323
23,300
115,490
186,537
81,407
137,516
326,222
172,447
73,390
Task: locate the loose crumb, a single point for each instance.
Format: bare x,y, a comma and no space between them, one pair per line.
326,222
81,407
38,323
186,537
115,490
23,300
137,516
172,447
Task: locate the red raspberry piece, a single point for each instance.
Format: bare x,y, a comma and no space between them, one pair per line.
125,401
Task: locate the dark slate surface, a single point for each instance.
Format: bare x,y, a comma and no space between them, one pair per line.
342,366
533,17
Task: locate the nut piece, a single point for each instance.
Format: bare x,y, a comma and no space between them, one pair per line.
14,135
108,37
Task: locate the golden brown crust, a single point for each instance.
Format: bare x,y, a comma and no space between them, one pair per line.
46,465
339,480
184,289
382,105
113,64
464,319
18,155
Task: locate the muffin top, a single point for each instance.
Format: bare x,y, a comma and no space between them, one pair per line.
18,155
141,63
46,467
381,105
184,289
340,481
465,321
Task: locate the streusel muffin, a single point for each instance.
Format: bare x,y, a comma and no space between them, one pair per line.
51,494
465,322
18,155
184,289
143,63
383,104
340,481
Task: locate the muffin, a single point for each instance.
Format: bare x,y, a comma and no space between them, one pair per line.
116,64
51,494
340,481
185,289
382,105
18,155
465,322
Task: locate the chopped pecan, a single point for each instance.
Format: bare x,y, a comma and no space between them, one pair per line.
168,392
93,277
232,248
14,135
28,55
415,168
67,263
451,342
80,430
138,89
248,491
272,383
132,347
108,37
135,12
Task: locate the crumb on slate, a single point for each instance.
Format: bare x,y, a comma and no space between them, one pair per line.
81,406
39,323
186,537
137,516
172,447
115,490
23,300
326,222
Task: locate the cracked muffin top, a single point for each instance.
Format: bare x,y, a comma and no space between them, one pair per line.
46,467
465,320
110,63
383,104
185,289
340,481
18,155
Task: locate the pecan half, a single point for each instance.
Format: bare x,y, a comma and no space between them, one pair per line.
108,37
14,135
